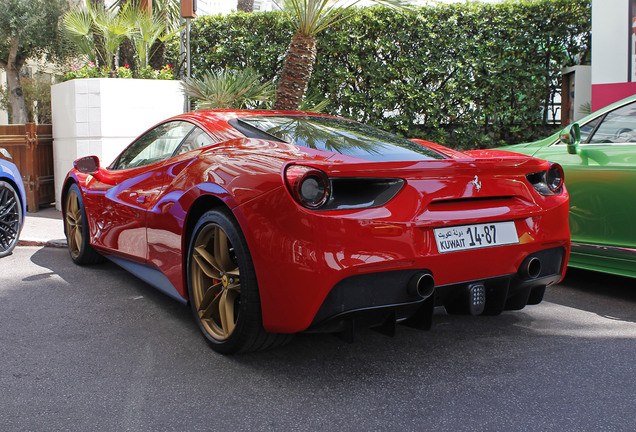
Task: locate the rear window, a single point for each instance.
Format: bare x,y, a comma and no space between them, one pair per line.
335,135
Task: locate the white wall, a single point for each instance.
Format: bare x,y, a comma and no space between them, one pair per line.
101,116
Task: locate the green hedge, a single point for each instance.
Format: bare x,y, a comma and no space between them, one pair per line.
467,75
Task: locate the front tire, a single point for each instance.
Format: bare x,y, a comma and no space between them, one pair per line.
223,289
76,229
10,218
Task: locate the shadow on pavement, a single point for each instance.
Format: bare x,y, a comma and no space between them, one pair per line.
105,279
607,296
603,294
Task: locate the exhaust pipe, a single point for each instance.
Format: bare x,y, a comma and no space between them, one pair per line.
530,268
421,284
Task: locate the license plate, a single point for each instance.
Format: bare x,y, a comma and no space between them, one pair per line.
475,236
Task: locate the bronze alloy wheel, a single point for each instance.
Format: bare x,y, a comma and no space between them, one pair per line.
216,282
73,221
10,217
222,287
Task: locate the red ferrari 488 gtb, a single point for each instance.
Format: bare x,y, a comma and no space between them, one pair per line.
271,223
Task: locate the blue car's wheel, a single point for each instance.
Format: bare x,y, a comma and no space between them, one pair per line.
10,218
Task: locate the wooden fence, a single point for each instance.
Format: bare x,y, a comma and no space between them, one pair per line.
31,147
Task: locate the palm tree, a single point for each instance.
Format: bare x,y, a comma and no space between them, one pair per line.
78,27
309,17
169,12
149,28
98,41
112,27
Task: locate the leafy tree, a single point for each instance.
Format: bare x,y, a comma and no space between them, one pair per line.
37,96
29,30
309,18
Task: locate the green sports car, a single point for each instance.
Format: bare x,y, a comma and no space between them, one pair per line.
598,155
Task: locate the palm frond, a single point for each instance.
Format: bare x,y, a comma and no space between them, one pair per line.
77,23
77,26
113,26
229,89
313,16
315,103
147,28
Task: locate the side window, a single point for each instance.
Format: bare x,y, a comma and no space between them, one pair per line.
155,145
197,139
588,128
618,126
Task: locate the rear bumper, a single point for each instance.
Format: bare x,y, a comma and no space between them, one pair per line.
373,299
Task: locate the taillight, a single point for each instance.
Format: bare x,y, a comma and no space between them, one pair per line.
554,178
314,190
548,182
309,186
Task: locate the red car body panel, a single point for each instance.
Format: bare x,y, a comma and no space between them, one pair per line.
142,214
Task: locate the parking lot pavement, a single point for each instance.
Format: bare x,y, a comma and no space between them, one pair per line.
94,348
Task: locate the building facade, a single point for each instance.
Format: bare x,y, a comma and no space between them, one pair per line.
613,51
212,7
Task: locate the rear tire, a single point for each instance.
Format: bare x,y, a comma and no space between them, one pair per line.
223,289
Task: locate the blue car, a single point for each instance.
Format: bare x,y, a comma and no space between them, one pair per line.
12,203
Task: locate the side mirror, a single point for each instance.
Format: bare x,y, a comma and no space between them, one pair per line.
4,154
87,164
571,137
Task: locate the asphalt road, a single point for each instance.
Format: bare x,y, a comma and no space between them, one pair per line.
95,349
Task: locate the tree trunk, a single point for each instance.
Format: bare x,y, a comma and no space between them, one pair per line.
99,40
13,66
157,55
298,66
245,5
101,52
127,54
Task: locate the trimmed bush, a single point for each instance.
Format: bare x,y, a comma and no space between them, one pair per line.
468,75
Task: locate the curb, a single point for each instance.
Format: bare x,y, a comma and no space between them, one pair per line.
50,243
